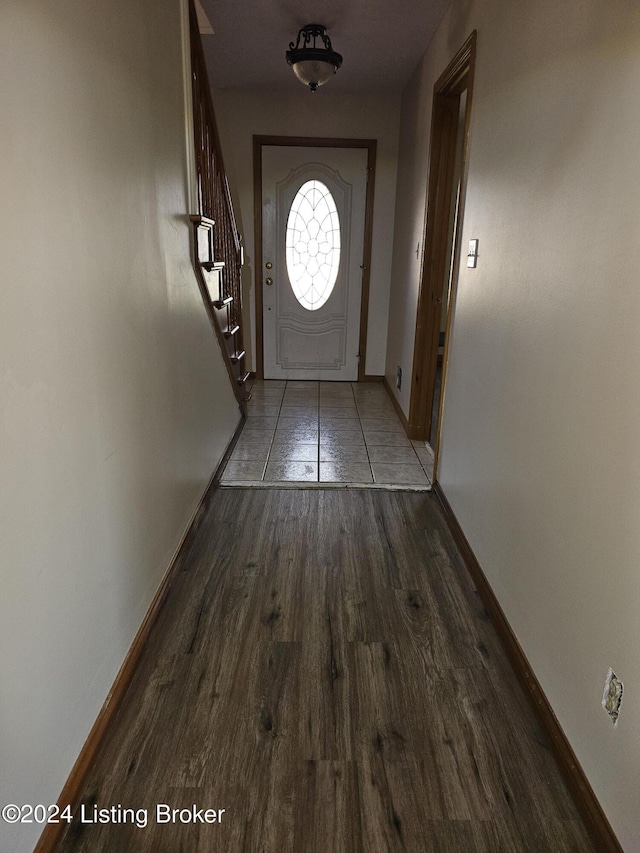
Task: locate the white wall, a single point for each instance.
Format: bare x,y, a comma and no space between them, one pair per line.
240,115
540,454
115,407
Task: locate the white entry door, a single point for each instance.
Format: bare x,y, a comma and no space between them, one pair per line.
313,216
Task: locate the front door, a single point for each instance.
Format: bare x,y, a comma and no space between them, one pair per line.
313,218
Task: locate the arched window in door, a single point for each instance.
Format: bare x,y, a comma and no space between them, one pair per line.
313,244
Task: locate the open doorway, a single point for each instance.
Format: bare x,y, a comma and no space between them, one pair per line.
449,270
443,223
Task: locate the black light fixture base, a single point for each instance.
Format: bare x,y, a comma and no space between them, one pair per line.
306,50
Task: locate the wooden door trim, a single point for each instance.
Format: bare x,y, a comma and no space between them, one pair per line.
457,77
314,142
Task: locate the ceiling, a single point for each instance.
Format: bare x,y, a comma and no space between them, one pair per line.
381,42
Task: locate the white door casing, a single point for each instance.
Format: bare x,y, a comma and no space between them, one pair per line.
300,343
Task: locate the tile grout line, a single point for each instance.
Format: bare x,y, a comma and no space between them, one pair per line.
427,475
264,470
420,465
364,438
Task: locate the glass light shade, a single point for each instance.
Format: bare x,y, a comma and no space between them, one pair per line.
313,73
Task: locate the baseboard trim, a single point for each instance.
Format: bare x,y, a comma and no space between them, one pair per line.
373,377
396,406
70,794
217,475
586,801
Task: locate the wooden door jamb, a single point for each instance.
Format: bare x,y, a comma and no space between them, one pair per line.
457,77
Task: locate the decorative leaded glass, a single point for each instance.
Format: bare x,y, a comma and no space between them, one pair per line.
313,245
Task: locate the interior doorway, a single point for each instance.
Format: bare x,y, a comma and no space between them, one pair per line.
445,304
441,256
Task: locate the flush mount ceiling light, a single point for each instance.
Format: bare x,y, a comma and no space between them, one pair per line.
313,64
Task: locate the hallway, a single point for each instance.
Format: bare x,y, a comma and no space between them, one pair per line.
329,433
324,672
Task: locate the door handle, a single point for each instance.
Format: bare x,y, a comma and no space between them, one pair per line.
268,281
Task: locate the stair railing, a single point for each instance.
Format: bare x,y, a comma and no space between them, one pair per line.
218,246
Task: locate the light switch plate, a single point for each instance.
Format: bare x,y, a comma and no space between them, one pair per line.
472,257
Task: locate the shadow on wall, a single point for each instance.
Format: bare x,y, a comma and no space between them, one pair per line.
247,314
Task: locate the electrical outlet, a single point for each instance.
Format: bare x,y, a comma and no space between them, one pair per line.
399,378
612,696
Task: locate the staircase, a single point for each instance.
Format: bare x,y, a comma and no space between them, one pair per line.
218,251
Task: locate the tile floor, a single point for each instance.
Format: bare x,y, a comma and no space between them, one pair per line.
329,433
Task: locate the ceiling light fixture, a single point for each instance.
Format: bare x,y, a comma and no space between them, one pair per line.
313,65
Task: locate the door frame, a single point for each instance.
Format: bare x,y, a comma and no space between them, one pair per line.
314,142
457,77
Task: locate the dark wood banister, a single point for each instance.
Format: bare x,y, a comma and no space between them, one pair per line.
215,212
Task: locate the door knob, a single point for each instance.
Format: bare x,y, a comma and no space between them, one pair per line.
268,281
268,265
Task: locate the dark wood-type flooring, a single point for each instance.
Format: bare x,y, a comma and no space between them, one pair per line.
324,671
